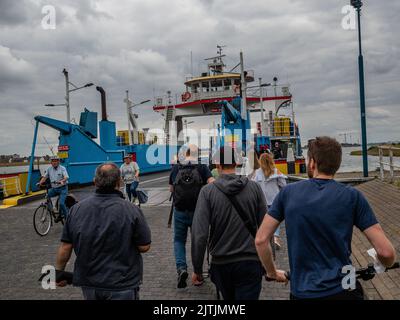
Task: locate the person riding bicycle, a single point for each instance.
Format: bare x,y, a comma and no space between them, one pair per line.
58,177
320,214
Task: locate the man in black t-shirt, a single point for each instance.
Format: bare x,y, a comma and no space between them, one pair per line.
108,235
184,210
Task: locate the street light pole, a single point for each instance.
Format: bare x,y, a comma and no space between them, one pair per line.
128,105
357,4
244,93
261,107
67,92
275,93
65,72
185,122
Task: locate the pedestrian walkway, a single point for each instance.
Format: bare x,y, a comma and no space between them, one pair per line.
24,253
385,201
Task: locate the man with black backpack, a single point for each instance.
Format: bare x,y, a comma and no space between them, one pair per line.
227,216
186,180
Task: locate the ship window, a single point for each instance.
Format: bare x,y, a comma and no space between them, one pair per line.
206,86
216,85
195,87
227,84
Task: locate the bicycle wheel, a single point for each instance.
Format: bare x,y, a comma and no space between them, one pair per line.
42,220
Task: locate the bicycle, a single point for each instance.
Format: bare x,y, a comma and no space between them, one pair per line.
364,273
45,214
369,272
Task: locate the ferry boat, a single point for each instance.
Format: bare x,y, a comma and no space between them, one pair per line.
214,92
276,127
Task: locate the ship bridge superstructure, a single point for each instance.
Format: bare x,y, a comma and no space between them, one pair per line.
203,93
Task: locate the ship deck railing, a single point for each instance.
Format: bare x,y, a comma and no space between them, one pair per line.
228,92
390,164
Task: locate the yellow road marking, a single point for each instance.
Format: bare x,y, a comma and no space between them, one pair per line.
14,201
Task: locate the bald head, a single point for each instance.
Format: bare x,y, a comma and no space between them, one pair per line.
192,151
108,176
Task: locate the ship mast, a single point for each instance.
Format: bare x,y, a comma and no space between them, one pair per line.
216,64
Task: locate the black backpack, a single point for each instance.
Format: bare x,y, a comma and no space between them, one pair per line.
187,186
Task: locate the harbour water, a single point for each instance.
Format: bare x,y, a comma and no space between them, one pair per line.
349,163
355,163
18,169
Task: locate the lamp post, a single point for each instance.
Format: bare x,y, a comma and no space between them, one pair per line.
67,92
357,4
129,106
186,128
261,85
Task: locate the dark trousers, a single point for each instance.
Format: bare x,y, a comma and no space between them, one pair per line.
239,280
100,294
131,189
182,224
356,294
63,193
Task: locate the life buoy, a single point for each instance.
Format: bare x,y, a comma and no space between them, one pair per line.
186,96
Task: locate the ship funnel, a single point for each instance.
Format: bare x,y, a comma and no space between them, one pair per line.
103,103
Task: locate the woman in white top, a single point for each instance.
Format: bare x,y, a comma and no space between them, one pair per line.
130,175
271,181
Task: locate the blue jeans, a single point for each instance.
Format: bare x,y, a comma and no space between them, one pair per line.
278,230
131,189
238,280
101,294
182,222
62,192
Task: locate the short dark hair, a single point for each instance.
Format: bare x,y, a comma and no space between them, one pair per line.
107,176
327,154
226,157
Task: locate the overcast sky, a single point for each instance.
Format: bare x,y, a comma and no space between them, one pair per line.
145,46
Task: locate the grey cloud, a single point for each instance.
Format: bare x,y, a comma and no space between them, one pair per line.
145,46
14,12
14,70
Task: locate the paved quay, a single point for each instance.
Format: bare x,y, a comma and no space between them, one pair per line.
24,253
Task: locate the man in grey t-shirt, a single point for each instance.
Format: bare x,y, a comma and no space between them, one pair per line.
235,267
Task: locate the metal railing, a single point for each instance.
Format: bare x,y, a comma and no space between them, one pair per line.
390,164
210,95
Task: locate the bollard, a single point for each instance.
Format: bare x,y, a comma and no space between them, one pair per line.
381,163
391,165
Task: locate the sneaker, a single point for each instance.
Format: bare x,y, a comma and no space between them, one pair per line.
182,277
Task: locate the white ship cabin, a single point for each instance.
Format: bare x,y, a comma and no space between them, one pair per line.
215,83
211,87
